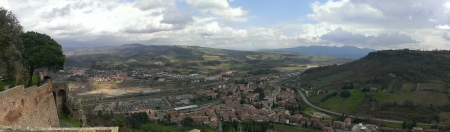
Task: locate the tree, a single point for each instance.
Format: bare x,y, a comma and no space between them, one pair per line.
10,42
41,52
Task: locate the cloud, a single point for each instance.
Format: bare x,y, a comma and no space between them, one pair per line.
446,37
176,18
382,13
144,5
57,12
221,10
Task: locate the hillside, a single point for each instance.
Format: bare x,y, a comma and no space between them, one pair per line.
397,84
381,67
190,58
341,52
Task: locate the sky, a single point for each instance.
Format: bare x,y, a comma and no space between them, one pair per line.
239,24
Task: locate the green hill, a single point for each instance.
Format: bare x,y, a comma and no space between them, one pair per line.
186,59
409,84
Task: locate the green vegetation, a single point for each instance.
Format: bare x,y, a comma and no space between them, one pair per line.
41,51
285,128
316,98
392,97
329,79
408,87
344,105
393,125
63,116
189,58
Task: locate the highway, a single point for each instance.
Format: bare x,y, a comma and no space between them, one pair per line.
352,116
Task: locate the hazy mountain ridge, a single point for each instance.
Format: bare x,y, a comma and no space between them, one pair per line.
341,52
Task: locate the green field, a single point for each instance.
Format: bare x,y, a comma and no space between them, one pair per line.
408,87
344,105
155,127
393,125
233,65
329,79
321,58
285,128
392,97
445,116
316,98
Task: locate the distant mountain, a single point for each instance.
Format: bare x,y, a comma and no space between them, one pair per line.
341,52
186,58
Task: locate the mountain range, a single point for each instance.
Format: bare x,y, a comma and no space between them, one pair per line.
190,58
341,52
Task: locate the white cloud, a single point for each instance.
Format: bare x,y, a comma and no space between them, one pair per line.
363,23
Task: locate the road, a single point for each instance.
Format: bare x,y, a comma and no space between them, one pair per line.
352,116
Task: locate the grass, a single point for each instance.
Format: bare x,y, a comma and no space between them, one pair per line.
155,127
392,97
344,105
393,125
445,116
290,68
35,80
316,98
329,79
233,65
286,128
63,116
408,87
210,58
321,58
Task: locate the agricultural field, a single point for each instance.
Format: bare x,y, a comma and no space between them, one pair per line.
392,97
344,105
210,58
445,116
288,69
408,87
329,79
316,98
321,58
431,87
285,128
428,97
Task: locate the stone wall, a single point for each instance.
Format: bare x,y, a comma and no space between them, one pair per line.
28,107
25,129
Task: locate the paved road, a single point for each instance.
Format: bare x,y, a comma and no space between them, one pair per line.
339,114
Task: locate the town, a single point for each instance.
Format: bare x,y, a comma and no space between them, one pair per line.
233,96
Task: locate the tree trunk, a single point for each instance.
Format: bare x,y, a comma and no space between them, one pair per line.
31,77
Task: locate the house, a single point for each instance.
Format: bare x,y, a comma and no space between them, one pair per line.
339,124
328,129
417,129
373,89
282,103
348,122
326,123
